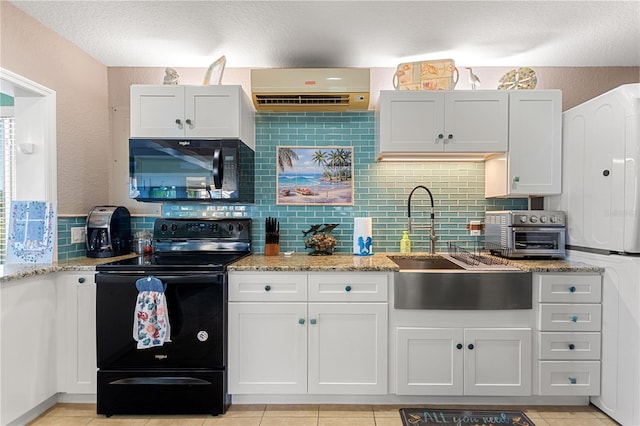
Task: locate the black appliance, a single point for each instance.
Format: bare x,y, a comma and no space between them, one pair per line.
108,231
191,170
188,374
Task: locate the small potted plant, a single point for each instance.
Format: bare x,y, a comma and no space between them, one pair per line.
319,239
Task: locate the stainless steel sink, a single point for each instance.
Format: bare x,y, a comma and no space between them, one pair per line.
438,283
424,263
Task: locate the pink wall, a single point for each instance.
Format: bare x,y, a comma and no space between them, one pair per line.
35,52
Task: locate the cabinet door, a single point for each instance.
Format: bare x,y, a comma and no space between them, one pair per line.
411,121
497,361
27,345
348,348
212,111
429,361
157,111
267,351
535,142
80,324
476,121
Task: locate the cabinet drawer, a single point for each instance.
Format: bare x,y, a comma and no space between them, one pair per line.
570,317
570,288
267,287
569,346
569,377
350,287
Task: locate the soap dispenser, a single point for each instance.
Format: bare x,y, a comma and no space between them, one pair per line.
405,243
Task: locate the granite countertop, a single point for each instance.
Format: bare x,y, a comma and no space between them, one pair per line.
17,271
304,262
380,262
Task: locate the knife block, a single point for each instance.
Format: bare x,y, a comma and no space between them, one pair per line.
272,249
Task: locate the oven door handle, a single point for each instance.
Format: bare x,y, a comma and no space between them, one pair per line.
538,229
218,167
160,381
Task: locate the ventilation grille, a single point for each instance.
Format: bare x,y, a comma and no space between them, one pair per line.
328,99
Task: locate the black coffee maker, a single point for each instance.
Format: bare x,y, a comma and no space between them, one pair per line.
108,231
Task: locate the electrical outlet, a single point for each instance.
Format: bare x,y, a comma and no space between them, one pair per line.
77,235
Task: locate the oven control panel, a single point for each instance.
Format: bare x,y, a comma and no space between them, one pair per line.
539,218
206,229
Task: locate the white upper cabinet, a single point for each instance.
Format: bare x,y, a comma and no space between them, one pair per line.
419,122
533,164
197,112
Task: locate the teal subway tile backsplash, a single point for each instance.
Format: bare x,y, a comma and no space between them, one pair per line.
380,190
67,250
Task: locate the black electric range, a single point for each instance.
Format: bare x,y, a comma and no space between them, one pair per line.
186,373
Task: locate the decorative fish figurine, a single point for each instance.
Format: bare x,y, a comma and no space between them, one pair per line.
313,230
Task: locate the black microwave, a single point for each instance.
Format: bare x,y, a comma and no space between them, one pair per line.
220,171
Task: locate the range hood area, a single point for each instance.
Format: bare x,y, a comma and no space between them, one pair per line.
310,89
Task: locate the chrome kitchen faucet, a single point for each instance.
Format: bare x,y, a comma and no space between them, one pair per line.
432,225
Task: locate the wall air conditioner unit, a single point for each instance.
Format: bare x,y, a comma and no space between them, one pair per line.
310,89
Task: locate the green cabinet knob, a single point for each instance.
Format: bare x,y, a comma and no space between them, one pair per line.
470,346
81,280
301,321
459,346
312,321
347,288
574,318
572,380
572,289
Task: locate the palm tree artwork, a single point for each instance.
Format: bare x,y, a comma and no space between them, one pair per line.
315,175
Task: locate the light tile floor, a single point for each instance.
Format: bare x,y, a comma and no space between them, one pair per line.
307,415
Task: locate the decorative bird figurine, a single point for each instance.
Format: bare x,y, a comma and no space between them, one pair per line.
473,79
171,76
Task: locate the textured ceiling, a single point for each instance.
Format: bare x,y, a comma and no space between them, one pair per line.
347,33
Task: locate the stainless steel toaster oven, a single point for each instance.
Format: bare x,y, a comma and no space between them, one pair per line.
526,233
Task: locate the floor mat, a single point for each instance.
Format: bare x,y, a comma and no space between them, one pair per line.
430,416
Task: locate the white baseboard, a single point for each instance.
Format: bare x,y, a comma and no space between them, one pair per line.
412,400
35,411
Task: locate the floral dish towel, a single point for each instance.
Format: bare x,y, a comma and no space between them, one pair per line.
151,319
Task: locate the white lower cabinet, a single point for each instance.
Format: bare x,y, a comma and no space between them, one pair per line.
267,348
316,333
569,315
78,362
347,348
463,361
27,345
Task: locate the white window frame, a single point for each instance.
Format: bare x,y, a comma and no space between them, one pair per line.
36,164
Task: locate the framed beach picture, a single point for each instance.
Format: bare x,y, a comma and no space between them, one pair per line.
314,175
